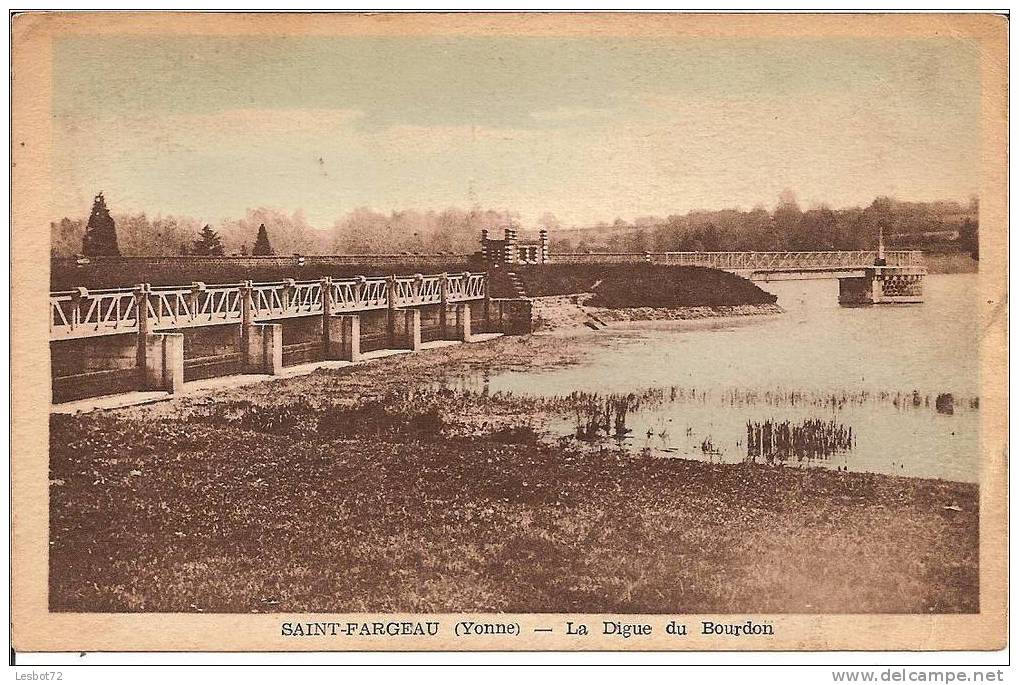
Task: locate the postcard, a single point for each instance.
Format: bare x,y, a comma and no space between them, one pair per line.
525,331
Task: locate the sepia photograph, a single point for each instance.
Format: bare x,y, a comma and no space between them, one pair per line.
441,331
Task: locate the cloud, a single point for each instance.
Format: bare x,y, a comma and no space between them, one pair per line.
437,138
562,113
271,121
175,131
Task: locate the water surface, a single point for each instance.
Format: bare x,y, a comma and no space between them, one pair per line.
877,370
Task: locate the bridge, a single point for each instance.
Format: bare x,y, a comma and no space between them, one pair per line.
865,277
84,313
156,338
802,264
823,264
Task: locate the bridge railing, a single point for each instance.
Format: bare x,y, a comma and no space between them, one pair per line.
905,258
789,261
466,286
83,313
196,305
418,290
359,294
603,257
749,261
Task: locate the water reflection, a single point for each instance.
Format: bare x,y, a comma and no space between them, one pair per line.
904,379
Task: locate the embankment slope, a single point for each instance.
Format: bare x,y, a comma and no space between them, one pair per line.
642,285
570,296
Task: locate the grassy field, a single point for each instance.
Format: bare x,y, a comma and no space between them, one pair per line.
352,491
643,285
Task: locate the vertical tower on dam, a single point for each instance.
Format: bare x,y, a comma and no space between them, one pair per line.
883,284
512,250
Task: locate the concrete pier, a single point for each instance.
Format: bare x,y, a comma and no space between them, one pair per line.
344,338
457,322
405,333
882,285
163,362
265,349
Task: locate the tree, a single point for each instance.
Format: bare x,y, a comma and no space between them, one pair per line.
549,221
262,246
785,221
638,241
100,232
208,243
65,237
788,198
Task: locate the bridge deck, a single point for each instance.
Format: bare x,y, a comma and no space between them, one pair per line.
83,313
751,262
793,261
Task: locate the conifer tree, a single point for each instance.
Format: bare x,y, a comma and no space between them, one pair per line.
100,233
208,243
262,246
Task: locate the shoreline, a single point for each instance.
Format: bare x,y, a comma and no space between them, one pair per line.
685,313
546,350
571,311
359,490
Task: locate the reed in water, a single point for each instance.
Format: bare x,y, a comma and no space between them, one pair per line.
832,400
810,439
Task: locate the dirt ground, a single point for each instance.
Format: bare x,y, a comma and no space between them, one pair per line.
372,488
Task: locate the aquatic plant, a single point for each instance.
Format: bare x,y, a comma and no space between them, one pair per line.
810,439
832,401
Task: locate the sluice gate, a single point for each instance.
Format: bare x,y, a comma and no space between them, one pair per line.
156,338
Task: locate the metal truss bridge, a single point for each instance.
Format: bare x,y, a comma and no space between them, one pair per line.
833,262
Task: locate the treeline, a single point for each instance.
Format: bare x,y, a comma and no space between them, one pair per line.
933,225
927,225
363,231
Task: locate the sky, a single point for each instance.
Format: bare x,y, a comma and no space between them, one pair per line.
589,129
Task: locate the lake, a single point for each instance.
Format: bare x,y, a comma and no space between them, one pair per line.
875,370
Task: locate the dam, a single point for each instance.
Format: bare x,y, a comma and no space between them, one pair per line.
157,337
